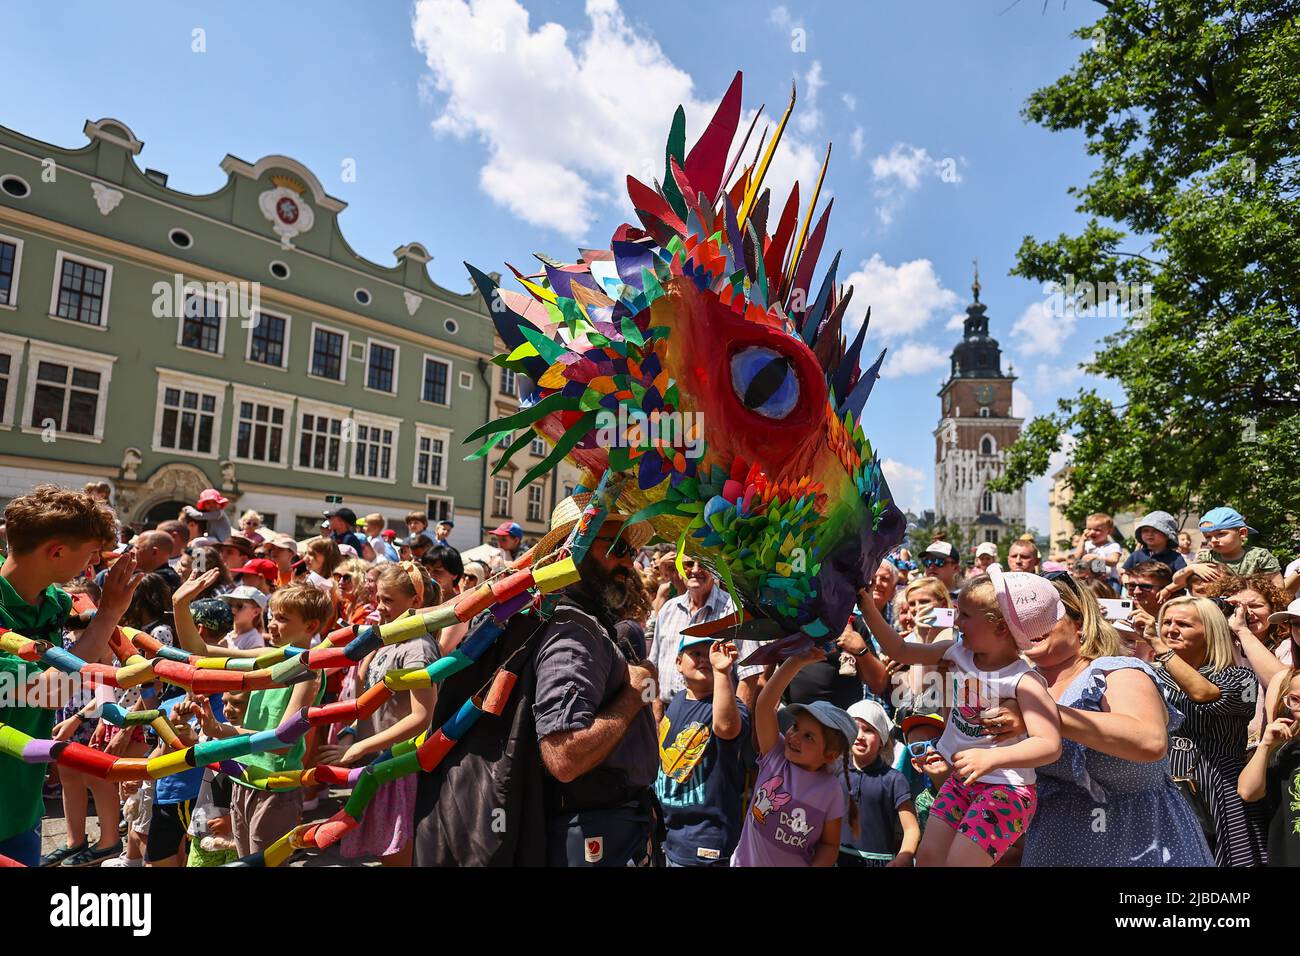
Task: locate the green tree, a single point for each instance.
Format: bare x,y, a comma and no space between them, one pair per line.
1191,109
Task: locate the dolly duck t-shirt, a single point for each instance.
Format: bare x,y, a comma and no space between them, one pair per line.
788,812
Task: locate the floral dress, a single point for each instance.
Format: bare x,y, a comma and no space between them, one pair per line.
1095,809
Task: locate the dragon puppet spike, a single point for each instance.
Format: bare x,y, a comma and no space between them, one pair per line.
689,375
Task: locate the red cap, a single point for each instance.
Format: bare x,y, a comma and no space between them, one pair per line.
389,533
212,500
263,566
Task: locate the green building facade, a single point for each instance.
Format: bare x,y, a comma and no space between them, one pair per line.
166,343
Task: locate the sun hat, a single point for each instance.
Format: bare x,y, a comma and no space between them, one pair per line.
241,544
828,715
213,613
283,541
347,514
988,547
939,547
212,500
912,721
566,515
875,716
1161,521
246,593
1292,613
1223,519
1030,605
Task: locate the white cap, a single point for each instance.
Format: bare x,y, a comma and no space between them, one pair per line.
875,715
988,547
246,593
939,547
1292,613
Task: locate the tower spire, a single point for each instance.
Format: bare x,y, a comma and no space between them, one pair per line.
975,286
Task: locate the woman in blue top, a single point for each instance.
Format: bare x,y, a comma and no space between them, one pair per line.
1108,800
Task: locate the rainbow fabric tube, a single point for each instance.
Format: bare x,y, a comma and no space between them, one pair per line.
471,604
461,721
241,664
263,741
292,728
215,751
164,730
170,763
129,768
367,640
289,670
22,647
42,751
397,767
406,628
554,576
62,660
269,659
279,851
372,700
409,678
338,712
211,663
502,611
433,750
362,793
12,741
176,654
135,674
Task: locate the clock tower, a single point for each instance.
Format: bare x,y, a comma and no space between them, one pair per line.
976,427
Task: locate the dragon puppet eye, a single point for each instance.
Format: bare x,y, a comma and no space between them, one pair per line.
764,382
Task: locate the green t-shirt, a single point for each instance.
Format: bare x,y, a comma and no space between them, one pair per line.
266,710
1254,561
21,805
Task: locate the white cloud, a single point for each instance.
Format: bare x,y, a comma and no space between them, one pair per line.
903,299
564,118
1052,378
780,17
905,483
849,100
810,117
912,358
903,170
956,323
1042,330
857,141
1022,406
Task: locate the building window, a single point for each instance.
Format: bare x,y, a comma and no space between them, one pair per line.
260,431
534,503
11,254
320,442
437,373
327,348
507,382
201,324
988,446
373,456
430,457
82,291
500,498
991,535
537,447
381,368
568,491
439,509
188,416
984,412
986,503
6,385
268,341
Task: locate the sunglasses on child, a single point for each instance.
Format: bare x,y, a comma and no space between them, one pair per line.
919,748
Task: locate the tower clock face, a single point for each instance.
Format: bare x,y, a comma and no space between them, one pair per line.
984,394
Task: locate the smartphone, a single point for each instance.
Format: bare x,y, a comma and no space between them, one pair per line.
943,616
1116,609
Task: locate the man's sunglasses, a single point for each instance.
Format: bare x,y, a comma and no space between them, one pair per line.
619,549
1141,586
934,562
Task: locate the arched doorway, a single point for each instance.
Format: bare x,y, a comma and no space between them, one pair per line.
162,511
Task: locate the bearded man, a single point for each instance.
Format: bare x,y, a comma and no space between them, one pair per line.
575,752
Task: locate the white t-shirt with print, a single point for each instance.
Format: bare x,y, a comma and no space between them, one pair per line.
972,691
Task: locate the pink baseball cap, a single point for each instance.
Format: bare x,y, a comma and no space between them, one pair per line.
1030,605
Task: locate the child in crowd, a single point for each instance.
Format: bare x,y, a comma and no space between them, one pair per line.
247,605
323,556
800,798
386,829
921,733
211,839
1157,535
889,833
1273,773
991,797
52,535
299,613
151,609
701,760
174,794
417,525
1225,532
383,549
1098,541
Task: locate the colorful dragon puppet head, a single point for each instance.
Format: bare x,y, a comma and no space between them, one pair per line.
695,363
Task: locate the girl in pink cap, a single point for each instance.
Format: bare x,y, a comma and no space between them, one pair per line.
990,797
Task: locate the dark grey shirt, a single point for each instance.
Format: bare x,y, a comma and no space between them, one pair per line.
579,673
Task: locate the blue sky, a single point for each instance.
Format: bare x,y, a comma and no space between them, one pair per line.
489,130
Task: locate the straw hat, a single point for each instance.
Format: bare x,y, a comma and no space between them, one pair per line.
566,515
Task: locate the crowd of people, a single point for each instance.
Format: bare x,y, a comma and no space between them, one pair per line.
1134,704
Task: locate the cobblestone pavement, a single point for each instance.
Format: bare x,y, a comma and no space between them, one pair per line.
54,830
